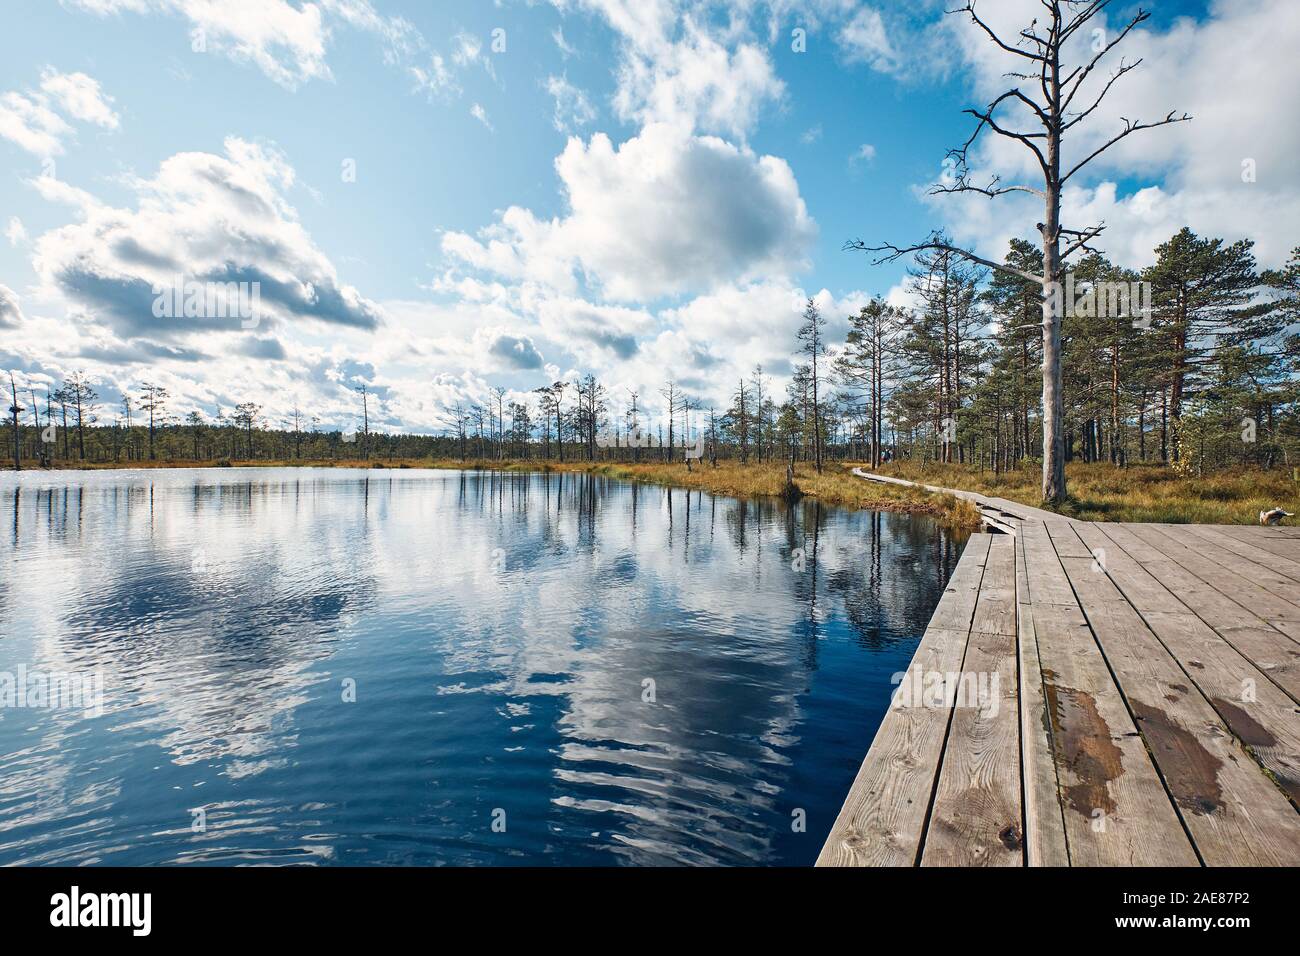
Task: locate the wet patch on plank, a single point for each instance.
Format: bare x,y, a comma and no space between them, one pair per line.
1084,747
1191,771
1257,737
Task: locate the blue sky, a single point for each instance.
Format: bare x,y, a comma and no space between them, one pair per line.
638,189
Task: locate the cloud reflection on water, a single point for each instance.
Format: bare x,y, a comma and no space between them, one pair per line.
499,628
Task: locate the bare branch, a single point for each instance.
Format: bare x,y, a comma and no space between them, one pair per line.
893,253
1083,237
986,119
1079,19
1130,126
1123,68
1079,74
964,185
970,9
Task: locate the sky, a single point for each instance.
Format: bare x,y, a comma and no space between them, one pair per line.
439,199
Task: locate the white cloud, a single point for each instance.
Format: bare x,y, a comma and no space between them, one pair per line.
675,70
32,119
10,312
698,82
562,44
509,349
284,40
79,96
572,108
15,231
436,78
864,39
663,214
468,49
441,77
864,154
479,113
31,124
207,218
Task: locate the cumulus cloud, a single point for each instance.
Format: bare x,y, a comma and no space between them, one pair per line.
675,68
10,313
27,121
663,214
80,97
516,351
697,82
203,218
36,120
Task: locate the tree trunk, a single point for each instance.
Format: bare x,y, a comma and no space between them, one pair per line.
1053,406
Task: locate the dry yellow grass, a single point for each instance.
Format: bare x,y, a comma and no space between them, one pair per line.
834,486
1098,492
1103,492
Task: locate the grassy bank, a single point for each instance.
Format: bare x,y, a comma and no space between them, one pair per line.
1103,492
1098,492
834,486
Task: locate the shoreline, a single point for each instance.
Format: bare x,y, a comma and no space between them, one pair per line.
835,486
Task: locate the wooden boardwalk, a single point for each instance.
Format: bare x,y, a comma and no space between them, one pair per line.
1094,695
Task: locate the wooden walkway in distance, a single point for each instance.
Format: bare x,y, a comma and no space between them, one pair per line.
1092,694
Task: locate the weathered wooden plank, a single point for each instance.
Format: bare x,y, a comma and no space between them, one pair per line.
882,821
1013,508
1236,816
1115,808
1066,542
1252,550
1261,573
1263,717
957,606
1286,535
1044,825
1047,581
1273,652
1137,583
1210,570
995,609
1289,628
976,817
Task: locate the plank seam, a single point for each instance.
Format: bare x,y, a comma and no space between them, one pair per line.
1051,733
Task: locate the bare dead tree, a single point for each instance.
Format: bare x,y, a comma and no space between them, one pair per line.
365,419
153,397
1047,90
15,410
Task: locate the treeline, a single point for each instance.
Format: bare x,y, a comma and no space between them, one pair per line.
1207,377
1201,370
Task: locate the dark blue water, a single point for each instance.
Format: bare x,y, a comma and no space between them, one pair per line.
423,667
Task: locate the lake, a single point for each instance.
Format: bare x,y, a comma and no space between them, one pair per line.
336,666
